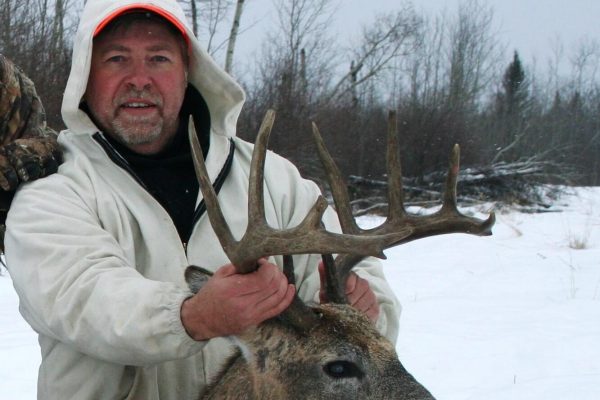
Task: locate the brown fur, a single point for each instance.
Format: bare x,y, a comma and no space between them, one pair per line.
286,364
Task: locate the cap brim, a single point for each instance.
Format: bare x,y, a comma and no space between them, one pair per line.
142,7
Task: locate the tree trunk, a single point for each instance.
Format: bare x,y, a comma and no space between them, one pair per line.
233,35
194,17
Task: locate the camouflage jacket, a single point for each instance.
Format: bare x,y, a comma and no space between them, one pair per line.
28,148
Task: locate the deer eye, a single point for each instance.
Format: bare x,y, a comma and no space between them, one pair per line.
343,369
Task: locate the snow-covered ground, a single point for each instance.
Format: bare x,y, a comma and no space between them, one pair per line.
512,316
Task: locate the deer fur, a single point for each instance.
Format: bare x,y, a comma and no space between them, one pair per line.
342,357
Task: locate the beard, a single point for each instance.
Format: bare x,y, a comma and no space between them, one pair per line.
135,130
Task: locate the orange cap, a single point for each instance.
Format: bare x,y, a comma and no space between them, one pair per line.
144,7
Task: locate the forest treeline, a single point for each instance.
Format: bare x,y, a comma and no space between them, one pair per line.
449,78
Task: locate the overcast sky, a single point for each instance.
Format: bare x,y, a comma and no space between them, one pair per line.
529,26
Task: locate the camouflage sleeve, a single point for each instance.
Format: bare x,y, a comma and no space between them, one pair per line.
28,148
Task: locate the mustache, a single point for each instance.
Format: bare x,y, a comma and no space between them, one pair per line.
142,94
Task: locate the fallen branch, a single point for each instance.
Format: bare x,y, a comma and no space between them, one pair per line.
513,184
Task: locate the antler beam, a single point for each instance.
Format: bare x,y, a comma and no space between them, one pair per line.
260,240
310,237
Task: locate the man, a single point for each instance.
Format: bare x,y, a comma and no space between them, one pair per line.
97,251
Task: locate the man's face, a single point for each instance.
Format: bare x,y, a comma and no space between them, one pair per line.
136,85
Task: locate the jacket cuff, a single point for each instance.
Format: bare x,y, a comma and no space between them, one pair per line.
188,345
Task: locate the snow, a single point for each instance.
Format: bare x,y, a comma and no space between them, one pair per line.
511,316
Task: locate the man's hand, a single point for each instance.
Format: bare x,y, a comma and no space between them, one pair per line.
230,302
359,294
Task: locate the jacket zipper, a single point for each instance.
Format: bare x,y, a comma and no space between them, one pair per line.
118,159
217,184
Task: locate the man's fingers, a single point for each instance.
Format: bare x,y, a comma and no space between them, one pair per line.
361,296
276,304
364,302
275,287
367,303
225,271
255,293
322,292
351,283
265,281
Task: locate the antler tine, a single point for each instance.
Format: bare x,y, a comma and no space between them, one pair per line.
336,184
449,203
395,191
208,192
298,314
447,220
260,240
466,224
335,278
337,272
256,210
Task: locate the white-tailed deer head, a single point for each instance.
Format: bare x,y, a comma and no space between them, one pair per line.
328,351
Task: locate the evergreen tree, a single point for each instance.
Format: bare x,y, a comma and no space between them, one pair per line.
514,97
512,109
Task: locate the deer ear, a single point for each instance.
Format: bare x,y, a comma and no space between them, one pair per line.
196,277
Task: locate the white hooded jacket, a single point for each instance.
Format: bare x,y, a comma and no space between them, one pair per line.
99,266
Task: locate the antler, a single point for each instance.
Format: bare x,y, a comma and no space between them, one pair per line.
310,237
447,220
261,240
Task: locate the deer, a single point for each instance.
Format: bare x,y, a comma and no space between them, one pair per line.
331,350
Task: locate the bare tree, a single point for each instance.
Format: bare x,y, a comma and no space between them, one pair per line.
235,26
584,63
450,74
36,35
303,35
425,66
294,70
208,17
388,38
194,17
553,65
473,54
